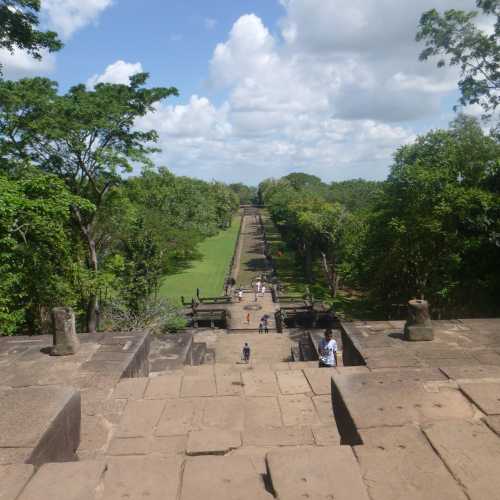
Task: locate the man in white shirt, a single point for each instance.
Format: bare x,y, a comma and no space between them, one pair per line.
327,351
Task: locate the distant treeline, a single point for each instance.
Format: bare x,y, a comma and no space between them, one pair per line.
432,229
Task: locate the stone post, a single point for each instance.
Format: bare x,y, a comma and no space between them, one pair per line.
66,341
418,326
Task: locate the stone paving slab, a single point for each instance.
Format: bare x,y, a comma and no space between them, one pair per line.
130,446
13,478
262,412
218,478
324,408
260,383
229,384
485,395
398,463
212,442
284,436
68,481
164,386
181,416
326,435
140,418
471,451
225,413
130,388
152,478
170,445
320,379
202,385
471,372
298,410
494,423
316,474
293,382
373,402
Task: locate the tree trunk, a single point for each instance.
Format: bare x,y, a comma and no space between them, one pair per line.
331,276
93,306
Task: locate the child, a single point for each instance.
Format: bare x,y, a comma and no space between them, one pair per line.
248,318
246,353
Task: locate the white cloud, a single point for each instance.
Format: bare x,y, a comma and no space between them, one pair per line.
68,16
20,64
118,72
335,95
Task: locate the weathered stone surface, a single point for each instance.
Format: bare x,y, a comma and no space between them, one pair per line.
298,410
169,446
419,325
152,477
323,405
181,416
130,388
228,384
214,478
320,379
472,452
326,435
373,402
485,395
71,481
201,385
283,436
94,435
494,423
293,382
165,386
471,372
224,413
13,478
262,412
212,442
66,340
260,383
140,418
316,473
398,463
44,420
130,446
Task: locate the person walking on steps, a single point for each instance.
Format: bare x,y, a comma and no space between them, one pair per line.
266,326
248,318
327,351
245,354
261,326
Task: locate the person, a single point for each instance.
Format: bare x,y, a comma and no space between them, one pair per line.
248,318
258,286
261,326
240,295
327,351
246,353
263,290
266,326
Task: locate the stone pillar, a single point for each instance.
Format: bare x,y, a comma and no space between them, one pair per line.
418,326
66,340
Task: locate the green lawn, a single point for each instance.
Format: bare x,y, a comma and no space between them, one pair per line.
208,273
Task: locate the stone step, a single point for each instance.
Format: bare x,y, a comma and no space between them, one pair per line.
316,474
222,478
198,353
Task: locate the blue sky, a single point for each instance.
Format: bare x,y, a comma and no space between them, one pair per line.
329,87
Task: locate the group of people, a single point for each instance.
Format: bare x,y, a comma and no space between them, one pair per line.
264,324
327,350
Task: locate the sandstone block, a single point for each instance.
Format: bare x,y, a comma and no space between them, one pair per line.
212,442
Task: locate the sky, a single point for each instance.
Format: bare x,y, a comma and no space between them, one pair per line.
267,87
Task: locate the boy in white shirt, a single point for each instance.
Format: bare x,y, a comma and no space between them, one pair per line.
327,351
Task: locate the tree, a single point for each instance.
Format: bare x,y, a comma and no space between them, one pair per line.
18,22
454,36
85,137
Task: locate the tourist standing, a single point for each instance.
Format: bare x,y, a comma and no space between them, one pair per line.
327,351
263,290
266,326
245,355
258,284
261,326
248,318
240,295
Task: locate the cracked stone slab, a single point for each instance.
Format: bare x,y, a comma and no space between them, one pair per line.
298,410
471,372
485,395
130,388
212,442
472,452
316,473
70,480
222,478
398,462
181,416
140,418
283,436
151,477
293,382
13,478
320,379
326,435
164,386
